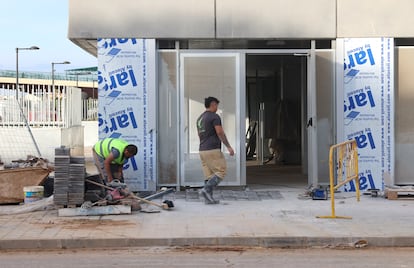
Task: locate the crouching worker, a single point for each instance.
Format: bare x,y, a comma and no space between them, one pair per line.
110,155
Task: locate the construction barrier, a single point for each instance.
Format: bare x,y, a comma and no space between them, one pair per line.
343,168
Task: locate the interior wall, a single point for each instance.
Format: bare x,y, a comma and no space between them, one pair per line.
275,81
404,116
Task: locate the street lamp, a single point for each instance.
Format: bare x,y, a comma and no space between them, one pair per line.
17,94
17,66
77,76
53,83
53,72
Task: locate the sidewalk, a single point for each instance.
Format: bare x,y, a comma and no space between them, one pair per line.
285,222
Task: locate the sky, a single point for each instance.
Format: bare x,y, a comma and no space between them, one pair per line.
41,23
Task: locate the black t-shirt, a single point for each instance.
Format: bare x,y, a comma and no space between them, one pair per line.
206,131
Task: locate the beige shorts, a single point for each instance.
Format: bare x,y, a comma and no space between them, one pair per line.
213,163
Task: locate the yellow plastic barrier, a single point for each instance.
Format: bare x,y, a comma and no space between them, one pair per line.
343,158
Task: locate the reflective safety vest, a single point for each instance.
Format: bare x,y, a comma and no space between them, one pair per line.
104,147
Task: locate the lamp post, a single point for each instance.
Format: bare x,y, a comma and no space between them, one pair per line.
53,72
17,66
93,88
17,94
77,76
53,84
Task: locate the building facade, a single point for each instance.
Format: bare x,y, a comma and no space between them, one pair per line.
290,75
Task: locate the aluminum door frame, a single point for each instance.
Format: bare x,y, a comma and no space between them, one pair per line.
240,110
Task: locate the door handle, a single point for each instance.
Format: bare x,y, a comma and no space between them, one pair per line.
310,123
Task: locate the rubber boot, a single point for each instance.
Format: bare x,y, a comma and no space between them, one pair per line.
207,191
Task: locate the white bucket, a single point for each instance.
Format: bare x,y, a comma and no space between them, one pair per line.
32,193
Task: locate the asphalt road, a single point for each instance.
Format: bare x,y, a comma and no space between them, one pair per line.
211,257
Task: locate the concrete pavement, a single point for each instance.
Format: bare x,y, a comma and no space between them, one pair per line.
286,222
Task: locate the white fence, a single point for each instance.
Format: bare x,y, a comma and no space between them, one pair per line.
40,106
90,110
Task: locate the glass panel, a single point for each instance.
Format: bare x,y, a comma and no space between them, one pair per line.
202,77
167,118
325,79
404,116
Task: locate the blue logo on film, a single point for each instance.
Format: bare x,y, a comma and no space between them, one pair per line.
364,139
366,181
357,57
350,75
131,163
115,135
104,44
112,54
350,117
356,99
117,121
115,80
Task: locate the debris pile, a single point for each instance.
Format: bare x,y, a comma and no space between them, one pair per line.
31,161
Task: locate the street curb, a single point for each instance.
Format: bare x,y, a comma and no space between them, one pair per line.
267,242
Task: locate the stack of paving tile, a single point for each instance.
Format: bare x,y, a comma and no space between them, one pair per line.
76,187
69,184
61,181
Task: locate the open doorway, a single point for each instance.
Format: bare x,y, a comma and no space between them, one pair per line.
276,144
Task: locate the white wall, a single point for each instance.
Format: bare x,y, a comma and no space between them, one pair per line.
90,136
141,18
276,19
47,139
375,18
239,19
16,143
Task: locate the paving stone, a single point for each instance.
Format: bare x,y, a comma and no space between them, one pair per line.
192,195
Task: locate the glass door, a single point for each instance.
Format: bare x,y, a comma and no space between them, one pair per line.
203,75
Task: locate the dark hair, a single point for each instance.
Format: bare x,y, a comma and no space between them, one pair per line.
132,149
209,100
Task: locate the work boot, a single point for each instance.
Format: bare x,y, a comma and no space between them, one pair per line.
207,191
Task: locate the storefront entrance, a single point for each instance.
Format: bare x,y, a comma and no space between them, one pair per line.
266,110
276,119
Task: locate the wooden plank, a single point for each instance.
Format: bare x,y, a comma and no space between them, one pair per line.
95,211
396,194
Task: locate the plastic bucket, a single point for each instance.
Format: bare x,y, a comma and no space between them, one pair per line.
33,193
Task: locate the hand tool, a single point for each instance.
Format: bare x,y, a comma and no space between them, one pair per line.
163,206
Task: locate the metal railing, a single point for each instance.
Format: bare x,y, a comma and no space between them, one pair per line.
48,76
343,168
40,106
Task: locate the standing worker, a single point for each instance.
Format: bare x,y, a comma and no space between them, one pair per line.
110,155
211,134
